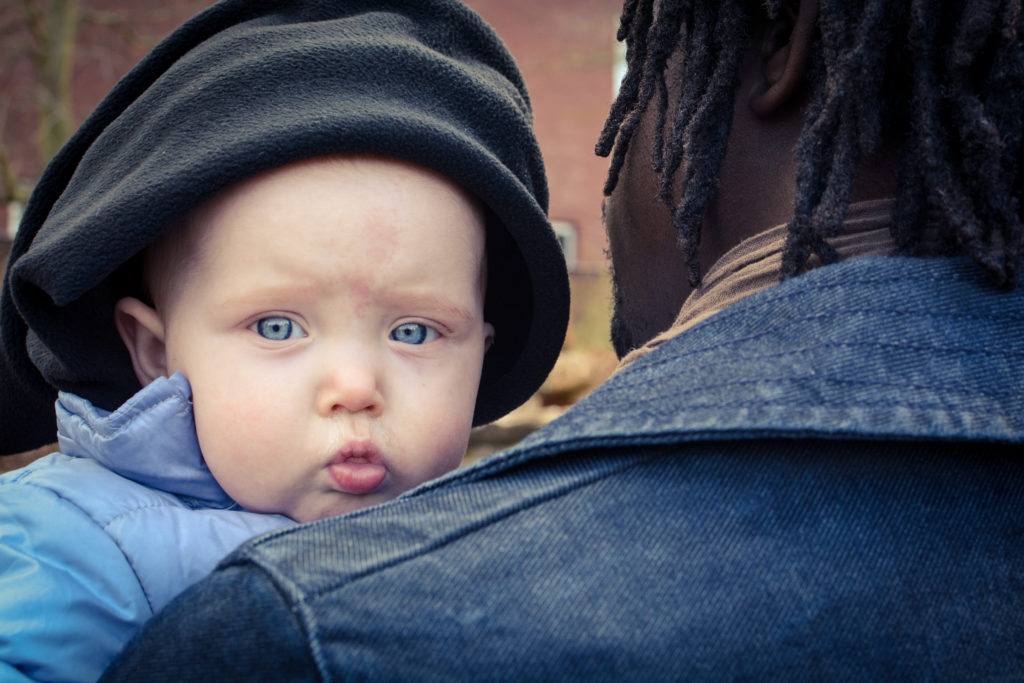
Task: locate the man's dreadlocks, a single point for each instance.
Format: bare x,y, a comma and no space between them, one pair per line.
949,75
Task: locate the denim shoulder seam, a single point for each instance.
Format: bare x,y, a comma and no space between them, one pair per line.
655,399
653,361
251,554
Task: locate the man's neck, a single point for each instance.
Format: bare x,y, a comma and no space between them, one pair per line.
756,264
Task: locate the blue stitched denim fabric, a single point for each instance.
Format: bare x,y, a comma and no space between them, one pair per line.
822,481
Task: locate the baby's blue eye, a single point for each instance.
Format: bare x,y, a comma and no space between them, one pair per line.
277,328
414,333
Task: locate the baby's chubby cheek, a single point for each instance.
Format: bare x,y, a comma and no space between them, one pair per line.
450,452
227,422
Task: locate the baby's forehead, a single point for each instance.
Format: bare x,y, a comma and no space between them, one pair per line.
367,184
319,173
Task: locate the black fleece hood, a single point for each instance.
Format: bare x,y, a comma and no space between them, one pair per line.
250,85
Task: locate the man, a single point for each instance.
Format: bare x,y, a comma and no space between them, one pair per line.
817,477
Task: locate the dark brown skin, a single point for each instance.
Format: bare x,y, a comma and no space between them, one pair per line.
756,188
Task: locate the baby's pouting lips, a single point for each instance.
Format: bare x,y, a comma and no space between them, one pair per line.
358,468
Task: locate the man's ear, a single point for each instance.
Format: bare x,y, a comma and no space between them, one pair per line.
488,336
142,332
785,57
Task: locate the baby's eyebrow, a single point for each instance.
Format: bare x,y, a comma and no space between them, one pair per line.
431,304
409,302
266,293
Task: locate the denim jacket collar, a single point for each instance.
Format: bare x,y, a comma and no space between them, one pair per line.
150,439
873,348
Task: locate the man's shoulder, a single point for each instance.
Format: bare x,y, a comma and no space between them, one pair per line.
735,557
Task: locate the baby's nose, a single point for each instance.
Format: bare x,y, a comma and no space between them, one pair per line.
348,385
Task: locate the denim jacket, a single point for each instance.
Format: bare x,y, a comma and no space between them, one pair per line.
823,480
100,536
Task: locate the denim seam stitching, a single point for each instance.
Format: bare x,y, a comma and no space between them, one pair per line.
489,519
300,599
718,346
945,389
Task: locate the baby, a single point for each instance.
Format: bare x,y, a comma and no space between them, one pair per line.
329,317
277,275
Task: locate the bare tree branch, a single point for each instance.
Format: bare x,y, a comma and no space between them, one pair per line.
35,22
53,70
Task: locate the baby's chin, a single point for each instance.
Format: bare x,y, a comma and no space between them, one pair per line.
348,503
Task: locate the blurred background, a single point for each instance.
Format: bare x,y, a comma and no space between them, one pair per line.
58,58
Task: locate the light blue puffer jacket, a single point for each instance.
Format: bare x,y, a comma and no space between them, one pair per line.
98,537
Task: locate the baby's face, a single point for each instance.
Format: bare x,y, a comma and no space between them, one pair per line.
331,326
